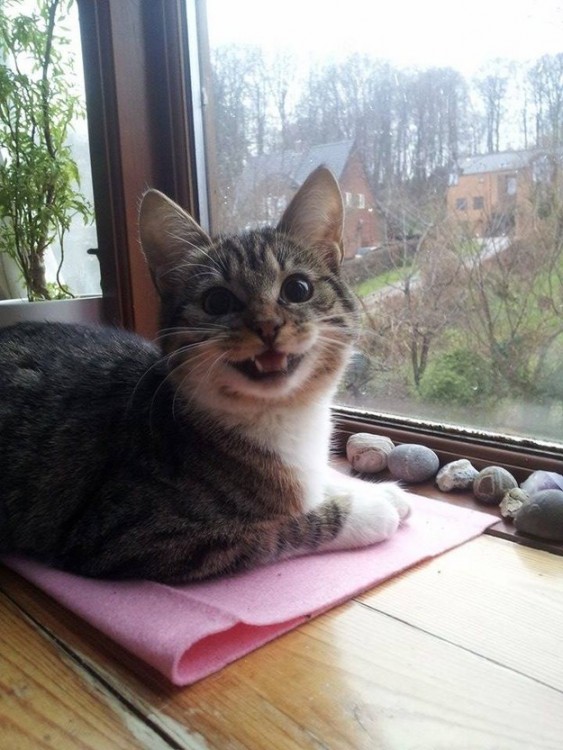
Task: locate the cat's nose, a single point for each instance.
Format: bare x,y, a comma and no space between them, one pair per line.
268,330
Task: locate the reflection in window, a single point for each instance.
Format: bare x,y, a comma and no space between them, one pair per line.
462,311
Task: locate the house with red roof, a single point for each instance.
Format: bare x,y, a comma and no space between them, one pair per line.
269,181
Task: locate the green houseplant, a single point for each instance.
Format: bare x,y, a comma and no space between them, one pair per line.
39,180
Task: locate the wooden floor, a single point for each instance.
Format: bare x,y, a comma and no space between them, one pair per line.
464,652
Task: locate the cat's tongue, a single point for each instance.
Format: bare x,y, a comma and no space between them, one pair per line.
271,361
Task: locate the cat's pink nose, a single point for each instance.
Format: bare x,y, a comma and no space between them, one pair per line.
268,330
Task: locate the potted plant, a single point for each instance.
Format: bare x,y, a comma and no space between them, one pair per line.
39,179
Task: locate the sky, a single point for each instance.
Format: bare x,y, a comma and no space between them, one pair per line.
410,33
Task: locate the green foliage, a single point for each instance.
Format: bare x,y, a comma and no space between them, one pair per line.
457,377
39,179
376,283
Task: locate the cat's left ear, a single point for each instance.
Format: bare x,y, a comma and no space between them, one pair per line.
168,236
315,216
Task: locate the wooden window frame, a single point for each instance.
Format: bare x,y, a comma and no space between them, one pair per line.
141,129
136,74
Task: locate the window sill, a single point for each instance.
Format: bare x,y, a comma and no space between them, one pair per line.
518,461
519,456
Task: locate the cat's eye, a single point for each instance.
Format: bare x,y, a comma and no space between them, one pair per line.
220,301
296,288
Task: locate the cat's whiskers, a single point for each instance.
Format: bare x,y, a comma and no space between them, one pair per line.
209,329
167,359
209,337
182,239
215,262
158,363
194,393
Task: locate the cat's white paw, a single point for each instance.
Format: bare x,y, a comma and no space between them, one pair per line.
397,497
375,512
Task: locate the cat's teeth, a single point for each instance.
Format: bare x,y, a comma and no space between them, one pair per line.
257,364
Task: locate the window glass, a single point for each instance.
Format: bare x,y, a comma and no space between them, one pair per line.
449,154
44,152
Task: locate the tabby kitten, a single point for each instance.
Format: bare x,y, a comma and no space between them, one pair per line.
208,454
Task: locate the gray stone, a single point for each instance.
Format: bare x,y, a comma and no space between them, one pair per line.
512,502
368,453
413,463
542,480
542,516
491,485
457,475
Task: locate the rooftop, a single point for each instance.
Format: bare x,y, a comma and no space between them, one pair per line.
505,161
497,162
296,166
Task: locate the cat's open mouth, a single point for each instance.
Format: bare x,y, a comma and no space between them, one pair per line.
268,365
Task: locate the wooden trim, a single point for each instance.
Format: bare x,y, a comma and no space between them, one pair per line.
169,96
135,67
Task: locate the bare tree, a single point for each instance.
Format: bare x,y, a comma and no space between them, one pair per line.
492,88
282,83
546,83
514,302
411,313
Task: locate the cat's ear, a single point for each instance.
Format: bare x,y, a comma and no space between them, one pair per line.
168,235
315,215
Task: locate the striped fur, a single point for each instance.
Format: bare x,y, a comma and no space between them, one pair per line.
206,453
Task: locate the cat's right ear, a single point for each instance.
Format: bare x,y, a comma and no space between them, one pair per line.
315,215
168,236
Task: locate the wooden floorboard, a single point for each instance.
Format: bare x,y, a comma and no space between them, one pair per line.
47,700
460,653
492,597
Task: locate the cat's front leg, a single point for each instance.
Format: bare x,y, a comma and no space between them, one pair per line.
371,512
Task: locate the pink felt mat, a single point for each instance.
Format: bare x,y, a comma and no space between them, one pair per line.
189,632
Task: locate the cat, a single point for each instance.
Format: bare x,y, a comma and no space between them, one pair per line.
207,454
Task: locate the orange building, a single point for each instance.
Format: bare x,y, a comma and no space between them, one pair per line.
494,194
485,191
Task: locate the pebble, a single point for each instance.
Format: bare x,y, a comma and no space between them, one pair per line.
368,453
542,516
413,463
542,480
457,475
512,502
491,485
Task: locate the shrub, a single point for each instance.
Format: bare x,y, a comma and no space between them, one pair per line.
458,377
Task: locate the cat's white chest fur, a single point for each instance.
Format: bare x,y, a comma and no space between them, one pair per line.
301,440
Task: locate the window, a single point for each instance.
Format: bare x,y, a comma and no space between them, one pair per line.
280,95
141,128
511,184
275,206
69,269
